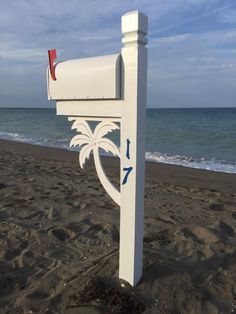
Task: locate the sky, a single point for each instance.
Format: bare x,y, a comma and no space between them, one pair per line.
191,49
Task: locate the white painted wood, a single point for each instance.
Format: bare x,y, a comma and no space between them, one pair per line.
89,108
130,111
134,56
106,183
93,141
100,119
87,78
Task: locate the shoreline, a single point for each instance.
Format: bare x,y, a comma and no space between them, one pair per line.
209,164
154,170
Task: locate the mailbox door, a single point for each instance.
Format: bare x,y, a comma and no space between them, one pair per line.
88,78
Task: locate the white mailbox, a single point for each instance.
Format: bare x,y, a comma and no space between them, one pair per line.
87,78
112,91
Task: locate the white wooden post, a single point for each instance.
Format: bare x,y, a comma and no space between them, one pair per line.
111,89
134,56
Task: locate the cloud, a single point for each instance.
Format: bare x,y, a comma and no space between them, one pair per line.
190,42
228,15
169,39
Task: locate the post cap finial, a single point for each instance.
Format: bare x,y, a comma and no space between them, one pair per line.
134,21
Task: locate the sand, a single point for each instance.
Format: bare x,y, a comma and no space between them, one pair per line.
59,230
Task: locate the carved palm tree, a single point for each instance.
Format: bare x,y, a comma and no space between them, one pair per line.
93,141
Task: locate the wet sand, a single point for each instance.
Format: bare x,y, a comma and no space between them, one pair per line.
59,229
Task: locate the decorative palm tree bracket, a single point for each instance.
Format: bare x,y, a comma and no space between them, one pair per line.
93,141
111,89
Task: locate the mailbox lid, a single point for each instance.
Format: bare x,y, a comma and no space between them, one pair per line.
87,78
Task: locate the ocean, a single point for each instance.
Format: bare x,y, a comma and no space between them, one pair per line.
196,138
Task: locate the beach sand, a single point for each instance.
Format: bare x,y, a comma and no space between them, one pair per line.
59,230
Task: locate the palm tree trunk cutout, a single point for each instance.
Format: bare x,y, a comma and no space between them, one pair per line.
92,141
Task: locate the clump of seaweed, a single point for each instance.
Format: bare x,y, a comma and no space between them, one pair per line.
112,296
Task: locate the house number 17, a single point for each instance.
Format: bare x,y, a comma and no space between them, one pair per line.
127,169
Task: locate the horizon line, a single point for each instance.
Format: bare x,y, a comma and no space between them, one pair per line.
217,107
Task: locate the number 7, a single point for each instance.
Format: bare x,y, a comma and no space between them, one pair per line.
129,169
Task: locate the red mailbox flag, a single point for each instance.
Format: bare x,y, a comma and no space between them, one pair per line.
52,55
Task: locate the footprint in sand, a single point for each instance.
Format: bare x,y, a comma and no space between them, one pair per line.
226,229
108,233
47,290
80,227
61,234
37,215
30,258
161,238
7,284
15,230
100,233
10,254
87,241
216,206
201,235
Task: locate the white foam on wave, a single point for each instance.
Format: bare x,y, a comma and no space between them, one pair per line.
198,163
17,137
